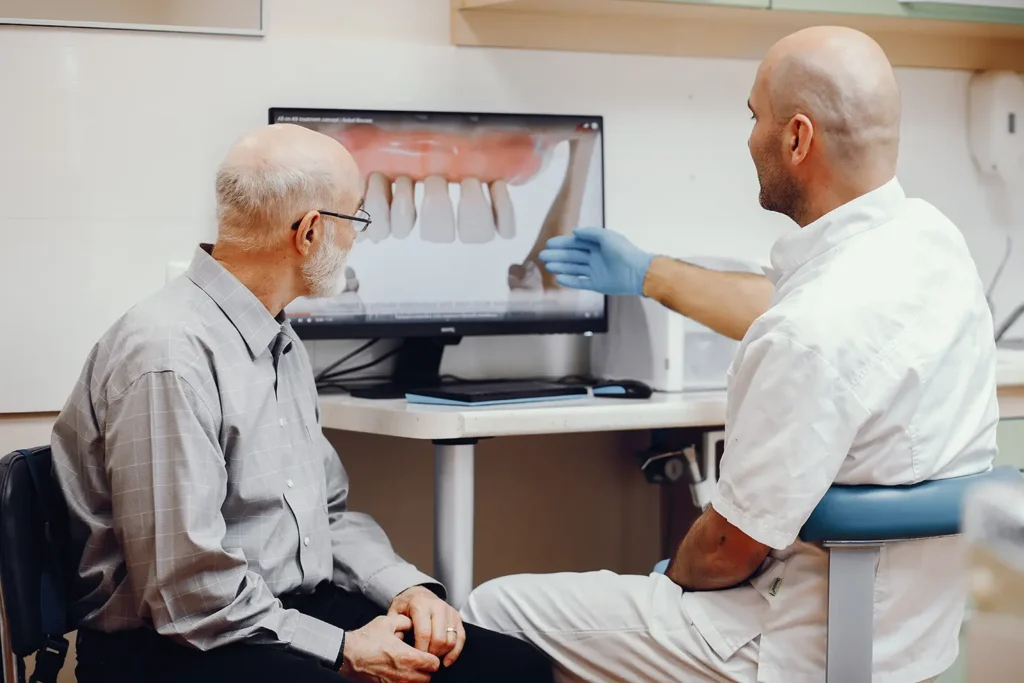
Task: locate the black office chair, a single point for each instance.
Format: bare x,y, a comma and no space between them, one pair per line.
34,566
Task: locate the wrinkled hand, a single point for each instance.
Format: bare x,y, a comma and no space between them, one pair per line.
598,260
377,653
431,618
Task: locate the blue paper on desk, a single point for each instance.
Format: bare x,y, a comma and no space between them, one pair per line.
496,393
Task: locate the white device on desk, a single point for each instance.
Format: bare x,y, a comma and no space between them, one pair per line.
650,343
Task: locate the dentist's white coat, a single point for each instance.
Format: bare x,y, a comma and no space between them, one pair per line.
874,365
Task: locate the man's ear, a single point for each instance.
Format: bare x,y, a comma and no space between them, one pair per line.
797,138
308,233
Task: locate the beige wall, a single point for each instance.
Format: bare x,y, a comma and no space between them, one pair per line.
214,13
220,13
24,431
122,11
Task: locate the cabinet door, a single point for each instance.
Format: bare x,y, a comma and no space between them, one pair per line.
763,4
997,11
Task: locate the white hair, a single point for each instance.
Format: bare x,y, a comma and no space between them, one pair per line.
259,200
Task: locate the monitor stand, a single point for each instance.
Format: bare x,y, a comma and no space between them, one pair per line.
417,366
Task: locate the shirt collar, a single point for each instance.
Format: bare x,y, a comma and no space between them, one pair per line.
863,213
247,313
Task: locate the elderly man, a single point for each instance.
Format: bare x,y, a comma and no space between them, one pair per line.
212,512
867,357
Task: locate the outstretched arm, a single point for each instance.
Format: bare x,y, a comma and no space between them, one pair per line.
726,302
605,261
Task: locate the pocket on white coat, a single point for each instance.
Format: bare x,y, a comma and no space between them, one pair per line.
728,620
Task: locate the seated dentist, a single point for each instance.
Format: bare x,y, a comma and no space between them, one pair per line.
867,357
218,543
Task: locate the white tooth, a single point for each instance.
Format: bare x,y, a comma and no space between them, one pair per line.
437,218
504,212
378,205
403,208
476,222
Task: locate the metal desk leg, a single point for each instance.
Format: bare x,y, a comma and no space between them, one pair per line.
453,517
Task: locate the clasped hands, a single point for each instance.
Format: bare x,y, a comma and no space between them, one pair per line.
378,651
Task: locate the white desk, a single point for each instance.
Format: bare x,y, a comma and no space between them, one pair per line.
455,432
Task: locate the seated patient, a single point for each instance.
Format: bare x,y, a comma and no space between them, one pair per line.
871,361
211,512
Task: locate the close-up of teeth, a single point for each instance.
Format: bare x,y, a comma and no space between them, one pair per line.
461,200
481,212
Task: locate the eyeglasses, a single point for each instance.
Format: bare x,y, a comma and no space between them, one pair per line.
361,221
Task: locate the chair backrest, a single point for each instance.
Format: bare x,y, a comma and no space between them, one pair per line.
34,543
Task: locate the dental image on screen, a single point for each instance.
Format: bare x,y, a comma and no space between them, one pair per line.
461,206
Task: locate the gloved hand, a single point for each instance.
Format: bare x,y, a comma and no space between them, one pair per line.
598,260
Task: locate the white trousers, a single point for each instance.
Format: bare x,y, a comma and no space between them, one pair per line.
602,627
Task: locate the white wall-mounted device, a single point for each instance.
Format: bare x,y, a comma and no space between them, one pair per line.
648,342
995,121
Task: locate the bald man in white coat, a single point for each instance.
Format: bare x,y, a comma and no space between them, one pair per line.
867,357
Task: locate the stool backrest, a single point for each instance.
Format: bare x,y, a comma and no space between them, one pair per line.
872,514
34,543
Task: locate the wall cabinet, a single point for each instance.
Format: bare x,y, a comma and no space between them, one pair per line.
967,34
761,4
991,11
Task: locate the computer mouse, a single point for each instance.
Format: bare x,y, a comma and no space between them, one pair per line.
625,388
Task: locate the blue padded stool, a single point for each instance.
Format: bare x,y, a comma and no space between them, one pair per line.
854,522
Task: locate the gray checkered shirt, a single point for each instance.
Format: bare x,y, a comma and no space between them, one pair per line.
199,481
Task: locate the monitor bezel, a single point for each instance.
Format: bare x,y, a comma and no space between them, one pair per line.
452,329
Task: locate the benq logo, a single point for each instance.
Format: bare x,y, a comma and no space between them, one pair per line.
448,330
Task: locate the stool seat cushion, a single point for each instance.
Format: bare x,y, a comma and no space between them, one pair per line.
881,513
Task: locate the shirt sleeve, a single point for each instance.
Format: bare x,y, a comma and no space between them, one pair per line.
168,484
792,425
364,560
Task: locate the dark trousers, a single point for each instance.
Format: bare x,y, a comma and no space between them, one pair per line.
142,655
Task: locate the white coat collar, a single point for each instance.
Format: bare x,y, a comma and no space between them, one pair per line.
863,213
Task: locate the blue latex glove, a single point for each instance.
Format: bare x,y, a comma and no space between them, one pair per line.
598,260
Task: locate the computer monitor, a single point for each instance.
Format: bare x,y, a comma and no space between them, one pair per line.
461,205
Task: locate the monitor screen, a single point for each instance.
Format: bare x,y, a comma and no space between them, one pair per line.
460,206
